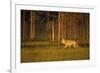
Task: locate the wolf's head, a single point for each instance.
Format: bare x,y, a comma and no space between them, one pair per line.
63,40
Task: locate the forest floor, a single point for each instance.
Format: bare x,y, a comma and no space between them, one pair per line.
44,54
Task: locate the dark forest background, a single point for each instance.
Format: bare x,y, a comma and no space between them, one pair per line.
53,26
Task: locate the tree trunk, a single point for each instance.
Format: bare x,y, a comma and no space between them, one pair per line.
53,30
31,26
34,22
62,26
59,30
70,26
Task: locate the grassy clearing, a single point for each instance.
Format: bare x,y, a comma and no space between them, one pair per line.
40,54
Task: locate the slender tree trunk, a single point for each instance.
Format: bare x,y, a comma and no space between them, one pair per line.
70,26
59,29
31,26
75,27
34,22
62,25
49,27
83,28
53,30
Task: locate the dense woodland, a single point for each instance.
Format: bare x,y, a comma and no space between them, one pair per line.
53,26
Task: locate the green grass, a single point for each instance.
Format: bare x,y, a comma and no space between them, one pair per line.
52,53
